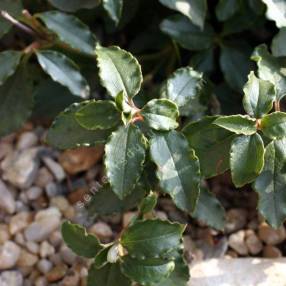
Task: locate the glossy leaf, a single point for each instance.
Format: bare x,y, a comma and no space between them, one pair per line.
209,210
276,11
274,125
278,47
161,114
114,9
9,61
119,71
225,9
64,71
100,259
178,168
271,69
152,238
70,31
204,61
270,185
186,34
79,241
246,159
211,144
195,10
259,96
74,5
66,133
98,115
239,124
149,203
125,155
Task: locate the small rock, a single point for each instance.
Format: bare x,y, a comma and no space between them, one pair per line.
127,218
11,278
56,259
33,247
22,169
41,281
60,203
44,177
67,255
71,279
4,233
19,238
270,235
236,219
57,273
46,249
27,140
44,266
19,221
253,243
52,189
161,215
69,213
271,251
27,259
236,242
101,230
7,202
34,193
9,254
80,159
55,168
6,149
77,195
56,238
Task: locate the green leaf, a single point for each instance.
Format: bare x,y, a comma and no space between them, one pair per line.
125,155
16,101
64,71
79,241
74,5
259,96
276,11
204,61
211,144
100,259
209,210
66,133
195,10
9,61
152,238
271,69
183,87
274,125
114,9
119,71
14,8
271,183
70,31
161,114
186,34
105,202
239,124
177,168
148,271
225,9
109,275
98,114
122,103
149,203
246,159
278,47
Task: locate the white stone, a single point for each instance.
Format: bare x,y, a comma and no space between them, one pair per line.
9,254
55,168
34,193
7,201
46,249
11,278
27,140
44,266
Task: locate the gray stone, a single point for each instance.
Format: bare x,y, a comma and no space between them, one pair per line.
27,140
44,266
34,193
9,254
7,202
52,189
55,168
11,278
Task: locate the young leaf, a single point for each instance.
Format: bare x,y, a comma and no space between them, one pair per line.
125,155
178,168
271,69
276,11
186,34
100,259
161,114
149,203
278,47
66,133
271,183
239,124
211,144
119,71
74,5
9,61
209,210
152,238
109,275
65,71
122,103
79,241
98,115
195,10
148,271
274,125
16,101
246,159
259,96
114,9
70,31
225,9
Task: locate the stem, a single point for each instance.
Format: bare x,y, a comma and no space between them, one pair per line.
277,105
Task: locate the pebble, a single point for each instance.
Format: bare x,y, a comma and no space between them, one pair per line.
27,259
27,140
67,255
270,235
52,189
9,254
33,247
271,251
60,203
19,238
34,193
19,221
41,281
4,233
253,243
46,249
6,149
7,202
22,169
55,168
236,219
44,177
71,279
56,238
101,230
236,242
57,273
44,266
11,278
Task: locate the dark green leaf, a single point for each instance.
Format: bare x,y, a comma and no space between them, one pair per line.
271,183
149,203
226,9
274,125
100,259
178,168
65,71
9,61
114,9
204,61
246,159
74,5
278,47
276,11
79,241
